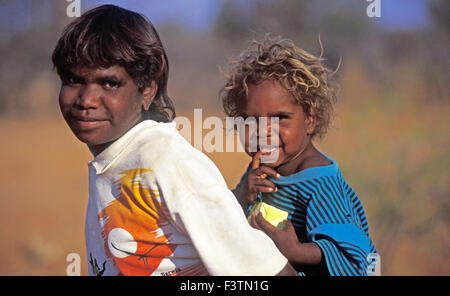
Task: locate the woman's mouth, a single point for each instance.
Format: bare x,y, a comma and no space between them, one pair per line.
84,123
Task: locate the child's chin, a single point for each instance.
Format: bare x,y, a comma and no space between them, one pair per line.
270,162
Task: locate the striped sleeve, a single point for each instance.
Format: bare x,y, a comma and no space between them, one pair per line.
329,223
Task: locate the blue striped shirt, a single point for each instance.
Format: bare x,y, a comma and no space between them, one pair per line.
325,210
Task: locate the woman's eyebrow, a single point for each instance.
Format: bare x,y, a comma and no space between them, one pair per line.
71,74
108,77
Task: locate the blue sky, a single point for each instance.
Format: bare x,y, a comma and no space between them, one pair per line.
194,14
199,14
404,13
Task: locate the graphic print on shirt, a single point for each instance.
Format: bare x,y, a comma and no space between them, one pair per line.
133,228
94,266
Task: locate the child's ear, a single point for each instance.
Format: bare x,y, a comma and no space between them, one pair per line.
310,122
148,94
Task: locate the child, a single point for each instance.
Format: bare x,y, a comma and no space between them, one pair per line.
157,206
329,232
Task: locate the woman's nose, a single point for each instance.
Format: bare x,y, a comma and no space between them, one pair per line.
88,97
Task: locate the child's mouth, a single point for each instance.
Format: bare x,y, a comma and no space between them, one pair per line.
269,154
268,149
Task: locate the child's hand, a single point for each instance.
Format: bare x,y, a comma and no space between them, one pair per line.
285,239
256,181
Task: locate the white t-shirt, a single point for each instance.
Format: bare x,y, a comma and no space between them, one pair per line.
158,206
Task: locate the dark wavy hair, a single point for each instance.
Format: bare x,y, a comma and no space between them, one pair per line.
299,72
110,35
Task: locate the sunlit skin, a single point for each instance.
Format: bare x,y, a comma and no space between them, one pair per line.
296,152
102,104
295,149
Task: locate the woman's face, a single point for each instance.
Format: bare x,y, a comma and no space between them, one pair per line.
102,104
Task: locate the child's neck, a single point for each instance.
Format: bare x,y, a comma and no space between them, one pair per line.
309,158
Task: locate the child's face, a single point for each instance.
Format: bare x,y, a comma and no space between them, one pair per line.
270,99
102,104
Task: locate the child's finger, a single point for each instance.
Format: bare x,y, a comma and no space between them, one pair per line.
264,182
253,222
265,225
261,188
264,171
256,160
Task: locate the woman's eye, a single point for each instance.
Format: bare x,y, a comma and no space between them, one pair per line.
111,84
71,80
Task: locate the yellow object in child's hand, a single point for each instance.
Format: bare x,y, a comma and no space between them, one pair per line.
275,216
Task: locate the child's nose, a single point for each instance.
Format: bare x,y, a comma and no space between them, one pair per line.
268,132
264,132
264,127
88,97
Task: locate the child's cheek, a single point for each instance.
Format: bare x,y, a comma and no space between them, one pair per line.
248,150
249,141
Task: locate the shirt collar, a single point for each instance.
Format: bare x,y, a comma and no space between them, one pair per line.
107,157
314,172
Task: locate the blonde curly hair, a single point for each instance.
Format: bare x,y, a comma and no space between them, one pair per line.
299,72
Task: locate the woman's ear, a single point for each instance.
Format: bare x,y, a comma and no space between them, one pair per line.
148,94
